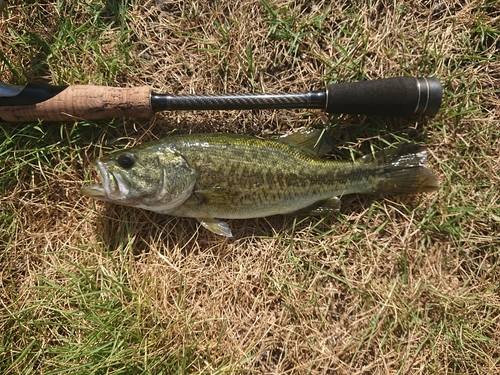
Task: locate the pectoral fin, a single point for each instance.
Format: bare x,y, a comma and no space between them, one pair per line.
216,226
216,195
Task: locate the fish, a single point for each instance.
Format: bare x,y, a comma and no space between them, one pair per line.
218,176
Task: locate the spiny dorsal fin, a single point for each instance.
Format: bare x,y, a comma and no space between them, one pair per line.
313,143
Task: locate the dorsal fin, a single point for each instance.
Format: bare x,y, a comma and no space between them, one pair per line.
313,143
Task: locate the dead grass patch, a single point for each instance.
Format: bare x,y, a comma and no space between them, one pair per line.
399,285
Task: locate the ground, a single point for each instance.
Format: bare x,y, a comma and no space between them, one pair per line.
389,285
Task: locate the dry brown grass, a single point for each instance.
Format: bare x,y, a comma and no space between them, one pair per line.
389,286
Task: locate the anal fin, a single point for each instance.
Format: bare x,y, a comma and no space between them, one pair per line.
323,207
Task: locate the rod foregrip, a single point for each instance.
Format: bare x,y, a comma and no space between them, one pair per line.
79,102
398,96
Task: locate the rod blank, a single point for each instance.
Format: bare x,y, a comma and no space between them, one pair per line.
313,99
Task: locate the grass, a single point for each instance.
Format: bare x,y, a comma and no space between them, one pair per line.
390,285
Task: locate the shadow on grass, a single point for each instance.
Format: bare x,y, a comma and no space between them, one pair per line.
143,231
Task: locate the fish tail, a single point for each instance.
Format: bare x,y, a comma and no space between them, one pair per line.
402,170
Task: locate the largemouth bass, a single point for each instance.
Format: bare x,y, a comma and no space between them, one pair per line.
228,176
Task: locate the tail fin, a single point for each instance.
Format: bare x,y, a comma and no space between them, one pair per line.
402,170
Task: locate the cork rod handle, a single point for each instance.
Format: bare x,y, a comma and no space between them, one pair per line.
83,102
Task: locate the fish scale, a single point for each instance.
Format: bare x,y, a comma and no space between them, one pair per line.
228,176
267,175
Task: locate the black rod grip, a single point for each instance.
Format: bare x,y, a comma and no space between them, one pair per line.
398,96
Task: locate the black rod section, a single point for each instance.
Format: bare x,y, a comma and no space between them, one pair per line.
32,93
398,96
313,99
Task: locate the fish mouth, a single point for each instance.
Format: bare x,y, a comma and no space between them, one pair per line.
112,186
94,191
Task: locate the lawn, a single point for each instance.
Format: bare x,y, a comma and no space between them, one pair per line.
388,285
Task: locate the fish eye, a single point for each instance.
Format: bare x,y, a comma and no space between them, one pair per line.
126,161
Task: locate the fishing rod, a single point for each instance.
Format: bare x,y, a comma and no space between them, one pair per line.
397,96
